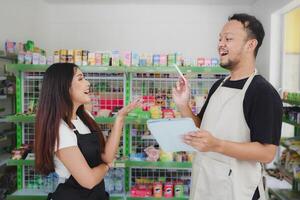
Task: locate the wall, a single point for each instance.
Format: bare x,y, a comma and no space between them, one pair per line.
292,32
269,54
188,28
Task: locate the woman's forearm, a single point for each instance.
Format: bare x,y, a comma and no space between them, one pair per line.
113,141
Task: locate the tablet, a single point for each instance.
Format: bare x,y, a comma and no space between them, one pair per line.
169,133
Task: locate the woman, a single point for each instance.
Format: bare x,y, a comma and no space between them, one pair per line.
68,140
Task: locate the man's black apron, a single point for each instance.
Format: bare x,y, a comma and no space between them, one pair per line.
71,189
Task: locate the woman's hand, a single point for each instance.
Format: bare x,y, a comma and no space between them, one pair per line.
127,109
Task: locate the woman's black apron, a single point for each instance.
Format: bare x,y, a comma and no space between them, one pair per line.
71,189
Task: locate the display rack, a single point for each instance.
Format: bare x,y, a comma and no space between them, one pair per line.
116,86
287,194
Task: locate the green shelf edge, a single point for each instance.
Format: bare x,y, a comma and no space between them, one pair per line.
30,118
280,193
25,197
123,69
296,103
121,163
146,164
10,162
21,162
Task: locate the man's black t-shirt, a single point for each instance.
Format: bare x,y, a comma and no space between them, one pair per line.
262,108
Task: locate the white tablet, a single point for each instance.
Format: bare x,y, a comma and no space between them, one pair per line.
169,133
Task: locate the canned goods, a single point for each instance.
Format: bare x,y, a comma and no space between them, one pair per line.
168,190
70,56
179,190
84,57
63,55
78,57
157,189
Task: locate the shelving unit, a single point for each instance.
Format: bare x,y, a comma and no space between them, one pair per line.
121,84
7,130
286,194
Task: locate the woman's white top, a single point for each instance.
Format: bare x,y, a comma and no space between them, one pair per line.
67,138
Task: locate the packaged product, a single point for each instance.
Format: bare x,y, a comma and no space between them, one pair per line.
163,60
56,57
98,58
157,189
115,58
70,56
105,59
214,61
200,62
149,60
156,60
21,58
207,62
135,59
171,59
42,60
85,57
91,58
179,189
78,57
28,58
63,55
126,58
168,190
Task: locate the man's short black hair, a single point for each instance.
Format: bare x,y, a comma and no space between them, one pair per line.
253,26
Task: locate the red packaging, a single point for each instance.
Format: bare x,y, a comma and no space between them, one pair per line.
168,190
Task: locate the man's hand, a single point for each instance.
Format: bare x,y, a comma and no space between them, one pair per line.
181,93
202,140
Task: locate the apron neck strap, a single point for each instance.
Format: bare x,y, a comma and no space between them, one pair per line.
249,80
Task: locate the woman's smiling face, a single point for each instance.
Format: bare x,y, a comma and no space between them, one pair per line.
80,89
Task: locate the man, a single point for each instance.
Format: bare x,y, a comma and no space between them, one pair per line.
240,122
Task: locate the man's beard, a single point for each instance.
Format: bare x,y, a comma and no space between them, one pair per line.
228,65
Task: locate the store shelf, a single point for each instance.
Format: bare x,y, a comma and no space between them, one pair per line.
4,158
169,165
7,133
3,96
290,147
285,120
30,118
286,175
22,162
25,118
28,194
296,103
8,57
285,194
34,194
170,69
122,69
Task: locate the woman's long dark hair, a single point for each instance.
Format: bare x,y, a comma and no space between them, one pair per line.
55,104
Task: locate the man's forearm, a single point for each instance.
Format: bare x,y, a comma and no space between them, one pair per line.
254,151
186,111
